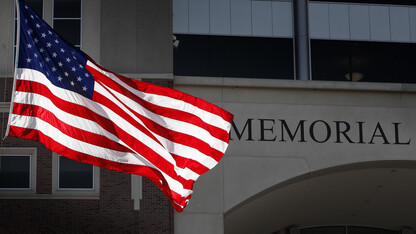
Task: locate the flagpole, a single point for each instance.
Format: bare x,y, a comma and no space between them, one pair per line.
15,68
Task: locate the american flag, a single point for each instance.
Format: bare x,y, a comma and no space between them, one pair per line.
85,112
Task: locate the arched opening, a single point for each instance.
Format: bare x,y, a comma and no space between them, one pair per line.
343,230
371,194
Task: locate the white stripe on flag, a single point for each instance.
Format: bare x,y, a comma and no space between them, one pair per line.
168,123
49,130
109,114
169,102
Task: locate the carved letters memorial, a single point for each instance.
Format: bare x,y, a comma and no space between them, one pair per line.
319,131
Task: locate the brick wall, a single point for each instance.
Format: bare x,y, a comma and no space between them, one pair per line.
112,212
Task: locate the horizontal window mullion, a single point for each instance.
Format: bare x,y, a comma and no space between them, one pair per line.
66,18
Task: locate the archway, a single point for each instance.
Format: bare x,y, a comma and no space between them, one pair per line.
375,194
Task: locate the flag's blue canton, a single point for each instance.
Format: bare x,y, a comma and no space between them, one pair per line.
43,50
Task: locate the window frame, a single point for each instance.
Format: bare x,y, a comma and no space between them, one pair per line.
73,192
69,18
23,151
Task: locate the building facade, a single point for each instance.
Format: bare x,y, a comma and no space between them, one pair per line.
323,94
44,192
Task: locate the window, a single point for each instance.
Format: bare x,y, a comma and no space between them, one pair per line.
345,230
17,170
70,177
74,175
392,2
226,56
67,20
36,5
363,61
324,230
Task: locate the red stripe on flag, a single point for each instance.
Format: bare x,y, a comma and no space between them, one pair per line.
138,146
152,174
154,89
74,109
62,109
159,110
191,164
80,134
171,135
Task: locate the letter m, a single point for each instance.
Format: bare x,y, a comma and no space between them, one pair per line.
285,128
239,134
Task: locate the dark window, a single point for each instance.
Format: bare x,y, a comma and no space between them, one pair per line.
69,29
222,56
15,172
324,230
192,57
363,61
403,62
74,175
67,9
345,230
330,60
368,230
372,60
67,20
36,5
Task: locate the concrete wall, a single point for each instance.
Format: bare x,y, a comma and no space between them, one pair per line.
91,29
136,36
377,120
6,37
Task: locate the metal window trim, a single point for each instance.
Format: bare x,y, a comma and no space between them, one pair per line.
75,193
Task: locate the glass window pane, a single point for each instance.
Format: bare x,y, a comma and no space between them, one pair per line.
74,175
14,171
67,9
394,2
363,61
372,60
272,58
192,57
403,57
323,230
330,60
369,230
36,5
70,30
224,56
15,29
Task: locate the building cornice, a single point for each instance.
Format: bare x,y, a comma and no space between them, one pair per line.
293,84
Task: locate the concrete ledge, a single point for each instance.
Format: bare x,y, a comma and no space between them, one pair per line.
46,196
4,107
138,76
293,84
